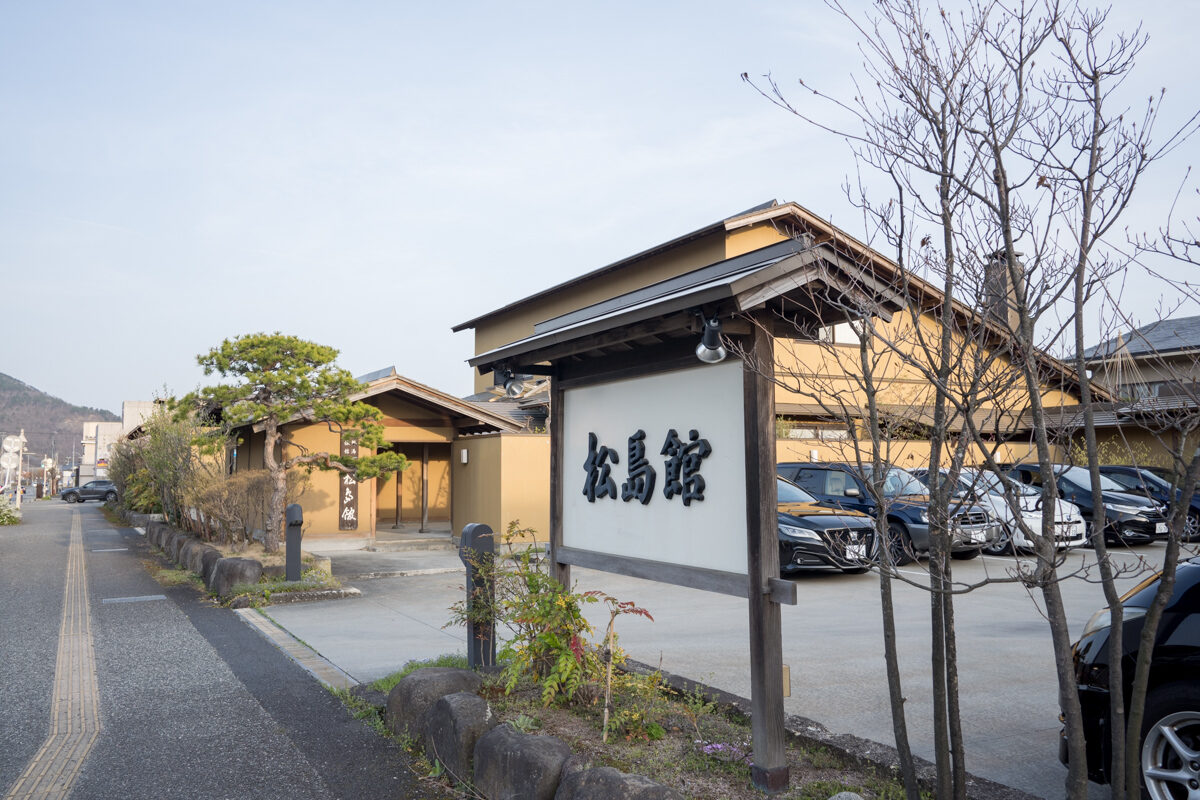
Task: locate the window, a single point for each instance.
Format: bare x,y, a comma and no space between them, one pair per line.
835,483
792,428
841,333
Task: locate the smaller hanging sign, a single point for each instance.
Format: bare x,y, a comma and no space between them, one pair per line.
348,507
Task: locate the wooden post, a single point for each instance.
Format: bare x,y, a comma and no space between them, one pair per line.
399,496
561,572
769,772
424,488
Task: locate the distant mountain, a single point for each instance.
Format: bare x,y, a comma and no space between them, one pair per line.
51,425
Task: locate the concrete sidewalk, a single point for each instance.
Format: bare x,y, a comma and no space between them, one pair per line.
357,565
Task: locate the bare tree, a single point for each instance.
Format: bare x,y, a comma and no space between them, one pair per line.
1004,111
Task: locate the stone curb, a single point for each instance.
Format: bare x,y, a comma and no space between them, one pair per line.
882,758
278,598
400,573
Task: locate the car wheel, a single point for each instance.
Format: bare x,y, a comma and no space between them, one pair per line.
1191,528
72,498
899,545
1002,546
110,497
1171,742
965,555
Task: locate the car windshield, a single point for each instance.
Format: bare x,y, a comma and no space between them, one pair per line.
991,483
791,493
897,482
1082,480
1153,481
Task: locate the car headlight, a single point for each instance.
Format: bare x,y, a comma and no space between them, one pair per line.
1103,619
923,516
1118,509
799,533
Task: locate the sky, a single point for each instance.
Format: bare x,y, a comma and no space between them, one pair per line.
369,174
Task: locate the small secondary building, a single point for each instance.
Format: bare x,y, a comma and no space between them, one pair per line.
455,447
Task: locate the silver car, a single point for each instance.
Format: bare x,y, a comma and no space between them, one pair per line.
1069,527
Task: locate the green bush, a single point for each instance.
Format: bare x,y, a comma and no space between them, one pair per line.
9,514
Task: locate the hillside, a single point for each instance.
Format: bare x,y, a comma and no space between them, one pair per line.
50,424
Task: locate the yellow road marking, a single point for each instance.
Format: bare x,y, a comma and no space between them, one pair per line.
75,718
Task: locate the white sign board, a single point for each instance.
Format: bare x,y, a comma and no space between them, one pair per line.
694,515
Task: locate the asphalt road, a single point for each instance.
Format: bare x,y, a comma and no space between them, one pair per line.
832,642
193,703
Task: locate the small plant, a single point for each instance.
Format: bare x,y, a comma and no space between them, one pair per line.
361,710
9,514
696,706
525,723
639,704
725,752
549,634
615,609
386,683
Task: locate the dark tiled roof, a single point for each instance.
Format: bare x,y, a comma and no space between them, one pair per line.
1162,336
528,416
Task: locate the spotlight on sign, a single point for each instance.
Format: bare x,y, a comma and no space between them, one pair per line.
710,349
513,386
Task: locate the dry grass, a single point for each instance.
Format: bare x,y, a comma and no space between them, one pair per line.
167,575
702,755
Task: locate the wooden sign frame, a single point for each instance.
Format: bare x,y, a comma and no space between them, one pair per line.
761,584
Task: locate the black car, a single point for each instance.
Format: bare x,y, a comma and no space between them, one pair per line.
811,535
1128,518
1170,743
1136,480
92,490
841,486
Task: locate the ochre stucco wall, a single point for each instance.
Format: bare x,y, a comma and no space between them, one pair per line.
477,483
525,488
506,478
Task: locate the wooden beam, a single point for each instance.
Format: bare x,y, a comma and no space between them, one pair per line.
560,571
554,352
769,770
424,488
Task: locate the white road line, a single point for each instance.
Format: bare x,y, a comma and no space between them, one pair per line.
139,599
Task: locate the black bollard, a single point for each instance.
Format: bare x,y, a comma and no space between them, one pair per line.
477,548
295,525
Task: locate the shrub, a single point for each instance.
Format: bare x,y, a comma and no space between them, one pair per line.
549,642
9,514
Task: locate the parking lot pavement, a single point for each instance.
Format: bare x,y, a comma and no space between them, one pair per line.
832,642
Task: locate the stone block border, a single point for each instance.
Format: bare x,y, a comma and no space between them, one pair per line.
433,707
222,573
438,708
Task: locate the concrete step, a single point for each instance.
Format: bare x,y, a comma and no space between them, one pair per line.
411,542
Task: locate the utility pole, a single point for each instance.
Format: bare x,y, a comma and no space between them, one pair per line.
20,465
13,458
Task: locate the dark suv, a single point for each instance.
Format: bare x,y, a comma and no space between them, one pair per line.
1146,483
1170,736
840,486
92,490
1128,518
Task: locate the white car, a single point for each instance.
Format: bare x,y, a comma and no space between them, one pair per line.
1069,528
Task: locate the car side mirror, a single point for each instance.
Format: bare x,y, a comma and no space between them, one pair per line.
851,491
